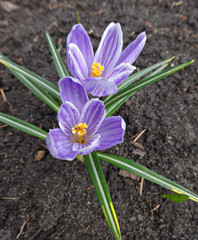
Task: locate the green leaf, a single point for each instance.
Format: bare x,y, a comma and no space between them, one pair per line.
119,98
40,93
176,197
33,77
97,177
60,66
138,75
23,126
160,69
8,198
144,172
78,17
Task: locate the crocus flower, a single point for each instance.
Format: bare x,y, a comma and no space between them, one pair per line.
82,122
101,73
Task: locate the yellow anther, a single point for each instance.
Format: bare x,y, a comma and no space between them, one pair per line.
79,131
97,70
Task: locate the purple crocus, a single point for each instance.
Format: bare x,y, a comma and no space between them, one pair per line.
83,126
101,73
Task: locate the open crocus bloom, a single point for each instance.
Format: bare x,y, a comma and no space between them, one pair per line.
83,126
101,73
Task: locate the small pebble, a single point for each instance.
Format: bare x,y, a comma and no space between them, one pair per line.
140,217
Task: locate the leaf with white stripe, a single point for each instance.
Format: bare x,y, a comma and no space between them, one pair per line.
97,177
40,93
159,66
160,69
23,126
139,170
116,101
60,66
33,77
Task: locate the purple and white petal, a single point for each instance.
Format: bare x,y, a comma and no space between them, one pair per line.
79,37
111,131
100,87
68,116
90,146
93,115
60,145
71,90
130,53
76,62
121,72
110,48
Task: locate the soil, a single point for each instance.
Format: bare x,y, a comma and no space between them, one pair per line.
55,200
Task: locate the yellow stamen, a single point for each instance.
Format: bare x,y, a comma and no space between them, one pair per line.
79,131
97,70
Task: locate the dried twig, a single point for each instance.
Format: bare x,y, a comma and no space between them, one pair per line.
175,4
142,179
184,18
35,234
51,25
138,145
3,95
93,14
138,152
87,228
139,135
155,208
24,223
5,125
43,145
141,186
5,100
57,5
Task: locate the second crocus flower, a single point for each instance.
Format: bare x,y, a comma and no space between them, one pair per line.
101,73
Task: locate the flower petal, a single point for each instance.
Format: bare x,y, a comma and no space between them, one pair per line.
90,146
79,37
110,48
71,90
111,131
121,72
59,145
93,115
68,116
76,62
131,52
99,87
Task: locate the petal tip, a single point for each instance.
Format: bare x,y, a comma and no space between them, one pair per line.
123,124
76,26
142,36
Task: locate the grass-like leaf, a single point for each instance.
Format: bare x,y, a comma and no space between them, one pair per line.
33,77
144,172
23,126
160,69
97,177
116,101
59,64
78,17
140,74
40,93
176,197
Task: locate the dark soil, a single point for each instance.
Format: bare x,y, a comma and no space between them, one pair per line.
56,198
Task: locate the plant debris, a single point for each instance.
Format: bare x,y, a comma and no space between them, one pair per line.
40,155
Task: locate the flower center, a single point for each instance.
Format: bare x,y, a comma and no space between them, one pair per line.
97,70
79,131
